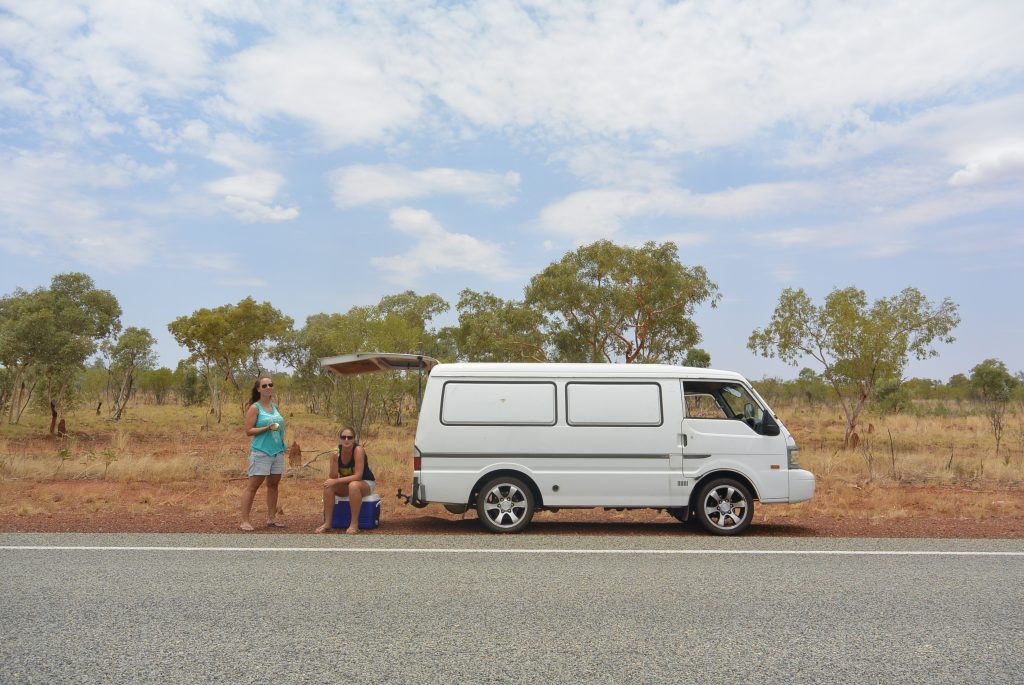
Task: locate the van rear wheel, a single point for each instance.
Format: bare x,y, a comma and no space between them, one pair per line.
505,505
725,507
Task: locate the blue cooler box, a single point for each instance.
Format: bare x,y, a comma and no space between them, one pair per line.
369,512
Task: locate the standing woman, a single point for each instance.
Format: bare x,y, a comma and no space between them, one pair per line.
349,475
264,423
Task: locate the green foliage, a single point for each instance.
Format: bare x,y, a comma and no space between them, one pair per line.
857,344
157,382
47,334
495,330
993,386
93,385
606,302
229,342
600,303
131,352
697,358
991,382
398,323
191,388
893,397
133,349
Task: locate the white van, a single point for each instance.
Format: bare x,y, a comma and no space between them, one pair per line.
510,439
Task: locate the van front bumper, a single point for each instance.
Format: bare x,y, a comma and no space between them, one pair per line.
801,485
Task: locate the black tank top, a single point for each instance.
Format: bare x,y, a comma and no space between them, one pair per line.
349,469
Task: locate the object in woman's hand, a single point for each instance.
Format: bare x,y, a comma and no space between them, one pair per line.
275,426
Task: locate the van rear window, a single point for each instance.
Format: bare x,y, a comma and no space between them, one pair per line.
613,404
498,404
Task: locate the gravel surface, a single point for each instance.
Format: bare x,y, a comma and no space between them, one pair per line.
116,616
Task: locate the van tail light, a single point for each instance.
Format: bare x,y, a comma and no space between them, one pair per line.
416,460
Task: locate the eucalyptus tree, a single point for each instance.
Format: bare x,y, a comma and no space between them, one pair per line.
857,345
397,323
47,334
605,302
157,382
130,353
992,385
230,341
492,329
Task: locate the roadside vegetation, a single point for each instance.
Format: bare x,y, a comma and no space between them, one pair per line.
84,407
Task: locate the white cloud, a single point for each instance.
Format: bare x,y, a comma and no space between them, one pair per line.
434,249
685,76
894,231
248,195
605,165
348,86
258,212
259,185
46,210
362,184
701,76
992,165
594,214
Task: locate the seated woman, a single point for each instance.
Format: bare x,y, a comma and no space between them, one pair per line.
351,476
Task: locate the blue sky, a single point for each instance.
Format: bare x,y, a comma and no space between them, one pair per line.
322,155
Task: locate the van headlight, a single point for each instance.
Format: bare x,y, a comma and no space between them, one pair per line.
791,451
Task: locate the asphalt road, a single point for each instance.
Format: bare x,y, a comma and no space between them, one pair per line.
508,609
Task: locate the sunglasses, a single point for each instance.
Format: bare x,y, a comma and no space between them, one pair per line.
348,437
267,385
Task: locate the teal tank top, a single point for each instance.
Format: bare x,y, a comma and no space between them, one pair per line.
269,442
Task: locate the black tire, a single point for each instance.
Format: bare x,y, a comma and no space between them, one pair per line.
505,505
724,506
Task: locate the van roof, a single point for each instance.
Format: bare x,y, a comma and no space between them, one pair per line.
547,369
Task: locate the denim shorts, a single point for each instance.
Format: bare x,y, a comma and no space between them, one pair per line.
261,464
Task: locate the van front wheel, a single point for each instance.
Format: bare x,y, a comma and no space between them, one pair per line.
725,507
505,505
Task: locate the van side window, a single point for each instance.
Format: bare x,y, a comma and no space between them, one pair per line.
703,406
726,400
613,404
467,403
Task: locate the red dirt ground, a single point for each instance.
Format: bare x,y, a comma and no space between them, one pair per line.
185,508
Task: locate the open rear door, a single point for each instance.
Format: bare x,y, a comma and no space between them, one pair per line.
369,362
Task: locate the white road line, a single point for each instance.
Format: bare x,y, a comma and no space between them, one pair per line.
447,550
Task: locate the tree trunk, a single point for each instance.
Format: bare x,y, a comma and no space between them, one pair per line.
124,394
24,396
53,417
16,389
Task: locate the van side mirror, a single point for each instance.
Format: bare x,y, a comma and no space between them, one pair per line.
769,427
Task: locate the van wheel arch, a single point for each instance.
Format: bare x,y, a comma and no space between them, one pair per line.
735,475
537,497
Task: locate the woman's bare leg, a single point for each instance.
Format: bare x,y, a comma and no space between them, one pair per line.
272,482
248,495
355,500
329,492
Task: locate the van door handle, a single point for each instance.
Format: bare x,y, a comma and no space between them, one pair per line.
682,439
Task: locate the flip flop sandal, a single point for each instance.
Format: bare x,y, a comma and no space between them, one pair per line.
246,527
275,524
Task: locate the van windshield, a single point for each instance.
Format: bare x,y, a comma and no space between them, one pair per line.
726,400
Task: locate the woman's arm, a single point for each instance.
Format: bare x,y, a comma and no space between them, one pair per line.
332,466
250,422
359,457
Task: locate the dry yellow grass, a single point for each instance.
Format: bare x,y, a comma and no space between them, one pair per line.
185,461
